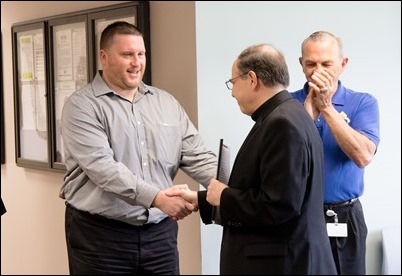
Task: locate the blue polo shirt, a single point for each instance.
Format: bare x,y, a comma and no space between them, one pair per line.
344,180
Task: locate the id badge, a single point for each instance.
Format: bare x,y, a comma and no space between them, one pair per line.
337,229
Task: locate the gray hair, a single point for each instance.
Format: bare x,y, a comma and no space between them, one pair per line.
321,36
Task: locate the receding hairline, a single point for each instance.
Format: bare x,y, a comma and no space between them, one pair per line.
323,36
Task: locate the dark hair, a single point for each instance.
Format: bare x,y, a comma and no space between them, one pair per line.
117,28
267,62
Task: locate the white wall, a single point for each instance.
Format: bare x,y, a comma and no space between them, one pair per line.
371,32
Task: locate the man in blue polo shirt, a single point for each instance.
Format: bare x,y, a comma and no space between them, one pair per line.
348,122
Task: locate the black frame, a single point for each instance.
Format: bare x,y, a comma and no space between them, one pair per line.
29,84
57,158
139,10
3,146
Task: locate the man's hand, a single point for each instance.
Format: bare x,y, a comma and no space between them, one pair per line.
185,193
214,192
175,206
322,81
309,104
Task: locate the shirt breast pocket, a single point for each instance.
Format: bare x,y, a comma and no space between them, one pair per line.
169,145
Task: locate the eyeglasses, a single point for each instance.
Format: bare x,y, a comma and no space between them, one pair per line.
229,83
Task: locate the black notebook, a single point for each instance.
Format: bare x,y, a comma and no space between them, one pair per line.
222,174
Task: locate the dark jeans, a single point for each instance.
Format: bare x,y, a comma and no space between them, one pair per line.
350,252
97,245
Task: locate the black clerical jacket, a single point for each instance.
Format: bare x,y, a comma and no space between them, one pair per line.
272,214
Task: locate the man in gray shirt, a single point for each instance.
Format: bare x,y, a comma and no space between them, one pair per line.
124,143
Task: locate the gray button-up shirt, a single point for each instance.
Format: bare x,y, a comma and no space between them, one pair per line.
120,154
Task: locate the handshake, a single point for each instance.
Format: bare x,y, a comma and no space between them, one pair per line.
179,201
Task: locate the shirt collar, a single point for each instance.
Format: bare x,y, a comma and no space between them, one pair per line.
266,108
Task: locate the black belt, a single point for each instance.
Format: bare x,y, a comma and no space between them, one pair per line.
111,222
341,204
